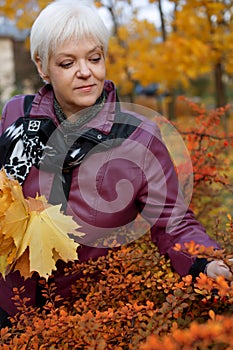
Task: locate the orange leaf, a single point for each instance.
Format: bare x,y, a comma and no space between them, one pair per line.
212,315
37,204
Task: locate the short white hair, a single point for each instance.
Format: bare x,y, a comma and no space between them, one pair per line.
62,20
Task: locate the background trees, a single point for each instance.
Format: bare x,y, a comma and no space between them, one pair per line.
188,51
190,44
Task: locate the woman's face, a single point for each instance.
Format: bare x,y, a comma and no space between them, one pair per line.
77,73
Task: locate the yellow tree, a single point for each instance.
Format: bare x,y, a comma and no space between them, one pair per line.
22,12
140,52
119,68
210,23
129,55
198,40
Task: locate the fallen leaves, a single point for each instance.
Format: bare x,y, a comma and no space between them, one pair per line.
33,233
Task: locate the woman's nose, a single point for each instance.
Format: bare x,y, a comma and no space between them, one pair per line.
83,70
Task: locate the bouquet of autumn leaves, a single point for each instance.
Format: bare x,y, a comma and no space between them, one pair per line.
33,233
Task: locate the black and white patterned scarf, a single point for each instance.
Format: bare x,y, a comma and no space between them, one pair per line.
21,147
39,142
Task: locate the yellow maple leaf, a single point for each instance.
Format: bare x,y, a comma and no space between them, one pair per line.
6,244
5,192
15,221
3,265
13,209
47,231
33,233
5,199
23,265
37,204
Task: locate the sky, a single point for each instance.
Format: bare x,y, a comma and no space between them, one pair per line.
150,12
145,11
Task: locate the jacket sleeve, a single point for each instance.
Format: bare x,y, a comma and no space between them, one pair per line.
12,110
163,206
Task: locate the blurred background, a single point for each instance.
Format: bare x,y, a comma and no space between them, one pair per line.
173,56
159,50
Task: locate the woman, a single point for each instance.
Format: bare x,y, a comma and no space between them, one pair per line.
77,147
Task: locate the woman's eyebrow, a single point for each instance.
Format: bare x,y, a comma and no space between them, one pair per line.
64,53
95,48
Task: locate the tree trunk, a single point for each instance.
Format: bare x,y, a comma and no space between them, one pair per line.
164,33
171,93
220,90
221,99
171,107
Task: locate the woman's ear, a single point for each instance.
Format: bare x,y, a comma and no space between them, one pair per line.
44,76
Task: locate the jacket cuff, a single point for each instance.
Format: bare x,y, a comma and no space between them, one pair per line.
197,267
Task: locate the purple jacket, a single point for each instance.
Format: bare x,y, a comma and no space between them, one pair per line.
109,189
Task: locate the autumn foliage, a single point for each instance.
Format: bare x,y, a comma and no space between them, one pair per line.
142,51
132,298
20,248
210,148
137,296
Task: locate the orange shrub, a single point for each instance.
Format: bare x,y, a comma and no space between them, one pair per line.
132,299
136,295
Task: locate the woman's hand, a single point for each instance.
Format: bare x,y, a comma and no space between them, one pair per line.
218,268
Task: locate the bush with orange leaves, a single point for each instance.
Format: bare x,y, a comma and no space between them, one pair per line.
210,148
136,302
215,334
132,299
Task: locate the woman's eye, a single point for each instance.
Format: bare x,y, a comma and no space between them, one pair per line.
66,65
95,59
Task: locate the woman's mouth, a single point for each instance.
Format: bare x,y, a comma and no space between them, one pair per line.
85,88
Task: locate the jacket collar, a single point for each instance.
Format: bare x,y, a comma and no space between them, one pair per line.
42,106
